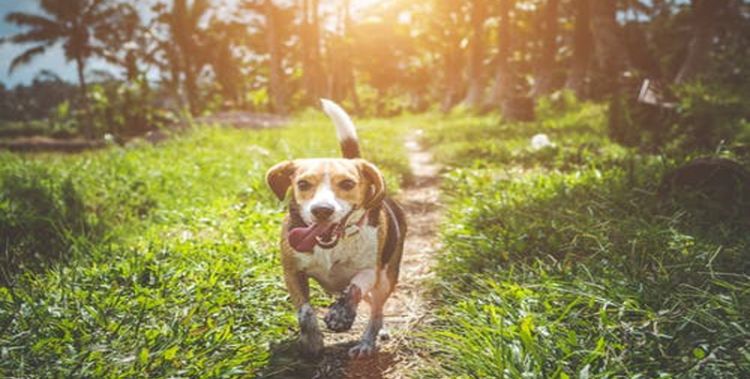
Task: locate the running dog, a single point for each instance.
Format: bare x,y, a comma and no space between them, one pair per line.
341,230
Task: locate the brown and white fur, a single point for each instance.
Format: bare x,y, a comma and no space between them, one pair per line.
363,265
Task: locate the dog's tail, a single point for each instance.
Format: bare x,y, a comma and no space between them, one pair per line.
344,128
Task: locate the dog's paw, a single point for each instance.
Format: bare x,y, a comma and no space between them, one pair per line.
310,340
340,316
311,344
363,349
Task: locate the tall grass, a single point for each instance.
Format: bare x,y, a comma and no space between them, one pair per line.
559,269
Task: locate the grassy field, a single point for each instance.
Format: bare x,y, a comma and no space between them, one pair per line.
566,261
161,261
154,261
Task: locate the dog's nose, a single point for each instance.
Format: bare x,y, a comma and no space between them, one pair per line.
322,212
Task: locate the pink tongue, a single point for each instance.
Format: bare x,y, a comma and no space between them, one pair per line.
302,239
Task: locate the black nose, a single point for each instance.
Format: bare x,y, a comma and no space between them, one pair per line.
322,212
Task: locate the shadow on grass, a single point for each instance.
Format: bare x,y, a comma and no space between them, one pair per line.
287,363
41,218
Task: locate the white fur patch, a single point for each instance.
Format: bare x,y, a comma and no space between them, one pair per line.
324,196
335,268
344,125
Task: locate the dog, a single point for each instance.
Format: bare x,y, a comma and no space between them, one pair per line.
342,230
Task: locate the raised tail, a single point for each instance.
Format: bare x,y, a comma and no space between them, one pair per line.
345,130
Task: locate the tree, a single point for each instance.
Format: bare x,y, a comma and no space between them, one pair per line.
582,46
309,35
704,15
609,54
126,42
448,24
342,83
71,22
184,50
504,80
476,54
276,86
546,67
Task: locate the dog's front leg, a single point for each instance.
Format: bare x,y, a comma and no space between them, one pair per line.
367,344
310,339
342,313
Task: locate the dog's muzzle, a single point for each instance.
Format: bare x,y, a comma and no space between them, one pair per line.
325,234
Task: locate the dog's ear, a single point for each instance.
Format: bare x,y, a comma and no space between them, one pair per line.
376,188
279,178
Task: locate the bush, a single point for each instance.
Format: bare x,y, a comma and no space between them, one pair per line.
40,216
708,116
705,117
124,109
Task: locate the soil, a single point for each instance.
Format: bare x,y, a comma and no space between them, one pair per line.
407,309
239,120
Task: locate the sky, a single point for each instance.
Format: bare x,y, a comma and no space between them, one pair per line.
54,59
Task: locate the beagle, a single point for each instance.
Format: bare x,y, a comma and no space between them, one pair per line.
341,230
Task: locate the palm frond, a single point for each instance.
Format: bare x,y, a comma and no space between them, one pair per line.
63,9
26,57
32,20
37,35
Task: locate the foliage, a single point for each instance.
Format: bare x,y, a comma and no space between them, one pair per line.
126,109
708,116
704,118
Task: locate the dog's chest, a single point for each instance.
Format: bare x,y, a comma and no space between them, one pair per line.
334,268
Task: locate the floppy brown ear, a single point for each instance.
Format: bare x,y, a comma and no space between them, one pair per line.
279,178
376,191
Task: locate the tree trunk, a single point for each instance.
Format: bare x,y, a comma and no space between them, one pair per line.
451,54
88,127
610,58
504,85
276,90
349,78
704,14
582,46
476,55
191,84
452,64
314,80
545,69
309,37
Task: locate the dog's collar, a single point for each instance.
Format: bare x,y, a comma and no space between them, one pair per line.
352,228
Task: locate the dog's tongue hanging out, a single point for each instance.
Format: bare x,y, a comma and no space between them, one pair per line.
304,239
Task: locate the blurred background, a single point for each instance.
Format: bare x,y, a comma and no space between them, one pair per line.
91,67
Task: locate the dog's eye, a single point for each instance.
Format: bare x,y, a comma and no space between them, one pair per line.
303,185
347,184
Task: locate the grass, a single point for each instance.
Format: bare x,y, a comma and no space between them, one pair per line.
568,261
154,261
559,267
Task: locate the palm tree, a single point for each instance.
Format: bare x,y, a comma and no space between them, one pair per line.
71,22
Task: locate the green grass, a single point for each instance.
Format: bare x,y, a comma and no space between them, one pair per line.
155,261
557,268
161,261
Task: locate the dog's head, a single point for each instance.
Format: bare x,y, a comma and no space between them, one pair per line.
326,190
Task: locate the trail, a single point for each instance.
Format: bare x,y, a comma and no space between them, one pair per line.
406,310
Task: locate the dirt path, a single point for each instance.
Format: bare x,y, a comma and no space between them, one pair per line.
407,308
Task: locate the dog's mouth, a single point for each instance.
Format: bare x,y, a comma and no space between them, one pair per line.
325,235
